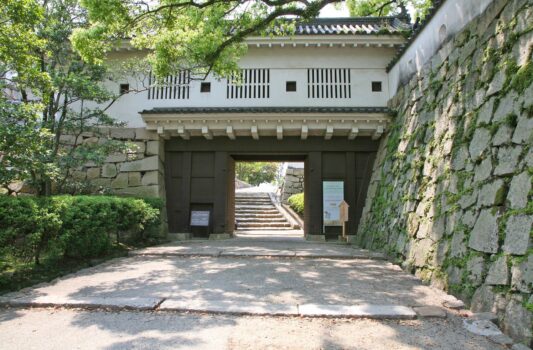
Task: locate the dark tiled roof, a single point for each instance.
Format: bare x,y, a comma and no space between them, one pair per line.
352,26
223,110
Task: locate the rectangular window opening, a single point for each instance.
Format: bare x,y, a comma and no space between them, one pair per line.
205,87
329,83
124,88
290,86
376,86
249,83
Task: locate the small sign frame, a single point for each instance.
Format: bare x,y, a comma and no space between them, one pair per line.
200,218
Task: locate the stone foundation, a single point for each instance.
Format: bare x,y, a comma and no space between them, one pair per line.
138,172
451,193
294,183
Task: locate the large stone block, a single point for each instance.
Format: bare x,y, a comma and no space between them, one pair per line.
152,148
134,179
93,173
505,107
498,272
502,136
459,159
517,321
67,140
507,160
91,140
475,267
522,275
79,175
122,133
485,112
497,83
523,132
143,134
146,164
109,170
100,182
492,194
479,143
139,147
141,191
483,299
116,158
517,232
421,251
458,245
469,218
483,170
519,191
121,181
469,199
150,178
484,235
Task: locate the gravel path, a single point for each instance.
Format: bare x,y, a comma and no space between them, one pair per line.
45,329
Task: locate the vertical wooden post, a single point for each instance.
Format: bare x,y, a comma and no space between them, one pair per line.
313,194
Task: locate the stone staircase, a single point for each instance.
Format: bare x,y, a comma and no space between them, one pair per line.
255,211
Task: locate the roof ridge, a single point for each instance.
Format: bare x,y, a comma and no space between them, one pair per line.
354,19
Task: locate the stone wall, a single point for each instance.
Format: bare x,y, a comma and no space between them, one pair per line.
138,172
293,183
451,194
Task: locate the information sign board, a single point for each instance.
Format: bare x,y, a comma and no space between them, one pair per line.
200,218
333,195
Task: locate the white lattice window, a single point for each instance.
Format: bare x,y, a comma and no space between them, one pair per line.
172,87
329,83
249,83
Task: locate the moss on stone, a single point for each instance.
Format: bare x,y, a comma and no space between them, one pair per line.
522,78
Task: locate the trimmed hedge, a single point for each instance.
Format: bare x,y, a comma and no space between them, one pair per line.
73,226
296,202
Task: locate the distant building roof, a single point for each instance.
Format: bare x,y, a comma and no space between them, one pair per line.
207,110
353,26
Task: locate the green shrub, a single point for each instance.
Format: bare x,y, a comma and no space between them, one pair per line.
296,202
27,227
72,226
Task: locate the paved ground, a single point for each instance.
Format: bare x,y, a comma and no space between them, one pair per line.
45,329
240,274
226,273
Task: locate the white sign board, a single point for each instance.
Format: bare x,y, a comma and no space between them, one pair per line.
333,195
199,218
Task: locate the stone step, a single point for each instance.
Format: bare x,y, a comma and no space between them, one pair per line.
265,225
256,212
253,203
261,220
264,229
260,215
257,207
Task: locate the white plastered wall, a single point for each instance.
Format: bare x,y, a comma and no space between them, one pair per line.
287,63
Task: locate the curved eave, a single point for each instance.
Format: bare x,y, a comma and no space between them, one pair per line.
343,40
340,122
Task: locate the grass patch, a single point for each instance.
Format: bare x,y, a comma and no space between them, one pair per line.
17,273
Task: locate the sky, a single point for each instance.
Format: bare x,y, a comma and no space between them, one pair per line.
331,11
341,10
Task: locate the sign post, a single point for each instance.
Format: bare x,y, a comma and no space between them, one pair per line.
333,195
343,214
